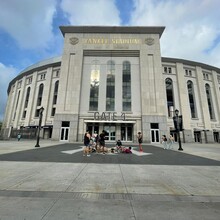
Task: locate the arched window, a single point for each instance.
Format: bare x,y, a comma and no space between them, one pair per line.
40,94
27,97
39,99
94,86
17,104
192,104
55,98
26,102
110,86
209,101
55,92
126,86
170,98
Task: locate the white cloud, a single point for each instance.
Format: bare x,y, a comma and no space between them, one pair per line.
192,27
28,22
91,12
6,75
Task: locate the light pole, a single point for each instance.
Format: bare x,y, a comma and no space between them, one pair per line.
177,118
39,126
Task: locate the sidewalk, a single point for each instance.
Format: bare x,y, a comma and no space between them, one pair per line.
56,191
211,151
14,146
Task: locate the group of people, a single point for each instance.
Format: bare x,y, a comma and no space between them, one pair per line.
96,143
167,144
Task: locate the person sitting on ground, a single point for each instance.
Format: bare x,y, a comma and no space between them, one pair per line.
127,150
118,147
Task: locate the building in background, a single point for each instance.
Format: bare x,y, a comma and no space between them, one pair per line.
114,79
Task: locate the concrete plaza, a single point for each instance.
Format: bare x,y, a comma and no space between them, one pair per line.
56,182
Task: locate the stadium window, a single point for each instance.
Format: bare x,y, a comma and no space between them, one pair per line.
191,96
126,86
218,77
94,85
206,76
24,114
165,69
55,92
190,72
170,96
110,86
29,80
40,94
27,97
53,111
209,101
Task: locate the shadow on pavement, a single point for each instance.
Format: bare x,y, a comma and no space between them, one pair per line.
158,156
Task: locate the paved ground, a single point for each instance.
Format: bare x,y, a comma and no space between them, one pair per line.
56,182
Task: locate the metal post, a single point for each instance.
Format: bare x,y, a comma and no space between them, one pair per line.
39,126
178,130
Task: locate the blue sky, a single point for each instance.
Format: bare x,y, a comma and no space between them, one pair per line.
29,30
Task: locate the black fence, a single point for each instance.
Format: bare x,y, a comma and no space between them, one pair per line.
26,133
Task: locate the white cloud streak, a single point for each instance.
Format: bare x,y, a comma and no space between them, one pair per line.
6,75
28,22
91,12
192,27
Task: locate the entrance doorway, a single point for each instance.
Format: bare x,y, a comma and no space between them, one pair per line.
197,136
155,134
64,131
216,137
110,132
155,137
92,128
126,132
64,134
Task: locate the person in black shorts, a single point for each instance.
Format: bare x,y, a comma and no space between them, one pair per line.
86,150
139,137
102,141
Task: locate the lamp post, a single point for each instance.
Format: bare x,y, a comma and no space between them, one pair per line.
178,128
39,126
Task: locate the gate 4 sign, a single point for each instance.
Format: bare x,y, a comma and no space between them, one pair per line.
109,116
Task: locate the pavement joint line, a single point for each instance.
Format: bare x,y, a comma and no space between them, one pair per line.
110,196
131,204
83,168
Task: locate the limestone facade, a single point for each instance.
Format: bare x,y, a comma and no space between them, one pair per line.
135,90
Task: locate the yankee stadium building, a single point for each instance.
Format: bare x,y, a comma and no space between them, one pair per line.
114,79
